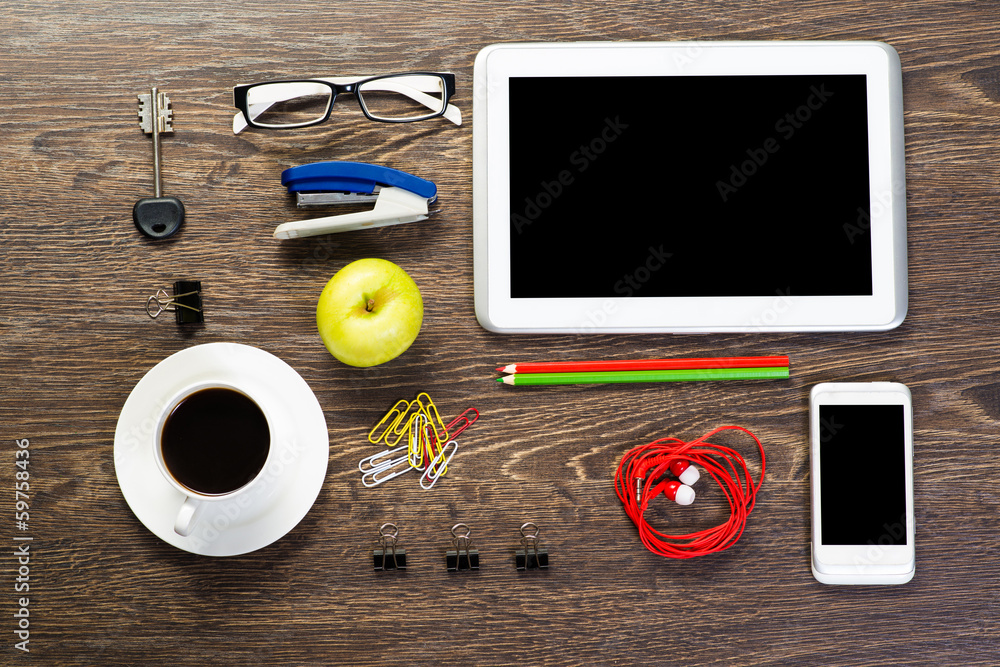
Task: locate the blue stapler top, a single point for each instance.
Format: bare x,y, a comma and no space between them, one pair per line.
359,177
399,197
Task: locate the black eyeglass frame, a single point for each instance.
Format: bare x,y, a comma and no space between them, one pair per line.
240,98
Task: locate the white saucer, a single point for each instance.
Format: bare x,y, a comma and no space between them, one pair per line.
292,480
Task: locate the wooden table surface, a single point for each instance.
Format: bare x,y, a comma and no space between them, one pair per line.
75,340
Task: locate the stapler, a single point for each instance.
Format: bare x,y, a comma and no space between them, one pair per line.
399,197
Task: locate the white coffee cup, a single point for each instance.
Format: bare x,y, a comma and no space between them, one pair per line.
209,446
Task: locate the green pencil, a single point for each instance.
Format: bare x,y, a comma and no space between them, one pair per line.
685,375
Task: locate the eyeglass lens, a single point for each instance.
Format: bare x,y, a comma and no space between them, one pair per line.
410,97
288,103
293,103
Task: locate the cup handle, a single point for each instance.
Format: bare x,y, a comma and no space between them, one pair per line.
186,517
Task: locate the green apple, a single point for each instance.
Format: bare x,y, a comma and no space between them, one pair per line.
369,312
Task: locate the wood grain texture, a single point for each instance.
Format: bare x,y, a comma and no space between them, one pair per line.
74,341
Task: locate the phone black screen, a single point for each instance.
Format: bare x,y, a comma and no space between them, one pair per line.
863,473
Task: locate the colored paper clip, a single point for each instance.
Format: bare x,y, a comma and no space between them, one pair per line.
419,421
429,443
433,416
461,422
438,466
399,197
393,469
454,428
404,425
389,420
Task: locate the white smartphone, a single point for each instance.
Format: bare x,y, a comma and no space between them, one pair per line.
861,453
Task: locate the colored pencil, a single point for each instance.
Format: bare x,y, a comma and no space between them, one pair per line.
644,364
670,375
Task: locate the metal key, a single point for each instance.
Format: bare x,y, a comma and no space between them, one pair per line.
157,217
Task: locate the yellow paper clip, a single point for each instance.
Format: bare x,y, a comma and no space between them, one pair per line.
390,421
413,408
429,444
405,422
434,417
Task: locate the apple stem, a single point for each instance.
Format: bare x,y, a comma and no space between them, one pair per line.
370,305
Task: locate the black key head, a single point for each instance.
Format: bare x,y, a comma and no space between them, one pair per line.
158,217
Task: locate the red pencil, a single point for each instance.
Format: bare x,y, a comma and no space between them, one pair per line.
644,364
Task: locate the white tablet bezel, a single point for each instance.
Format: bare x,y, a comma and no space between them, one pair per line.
497,311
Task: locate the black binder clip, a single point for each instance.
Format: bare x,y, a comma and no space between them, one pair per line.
531,556
389,557
462,558
185,303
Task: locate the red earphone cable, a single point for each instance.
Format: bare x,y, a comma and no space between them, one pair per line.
637,482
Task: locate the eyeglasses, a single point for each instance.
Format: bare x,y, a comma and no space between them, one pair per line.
395,98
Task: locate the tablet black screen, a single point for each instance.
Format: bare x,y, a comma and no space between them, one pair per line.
689,186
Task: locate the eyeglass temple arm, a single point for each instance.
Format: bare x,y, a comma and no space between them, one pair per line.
451,112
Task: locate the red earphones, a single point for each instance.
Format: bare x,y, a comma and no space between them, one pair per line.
727,467
678,491
682,494
684,471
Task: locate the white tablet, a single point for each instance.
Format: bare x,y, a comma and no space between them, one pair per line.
689,187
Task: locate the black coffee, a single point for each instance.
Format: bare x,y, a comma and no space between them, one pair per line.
215,441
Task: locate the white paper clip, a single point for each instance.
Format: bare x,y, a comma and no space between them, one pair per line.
378,461
415,452
393,469
438,465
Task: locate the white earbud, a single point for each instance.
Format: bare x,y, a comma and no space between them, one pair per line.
682,494
685,472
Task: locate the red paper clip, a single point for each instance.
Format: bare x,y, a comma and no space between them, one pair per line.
466,422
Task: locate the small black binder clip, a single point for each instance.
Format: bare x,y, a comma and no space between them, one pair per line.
185,303
389,557
531,556
462,558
